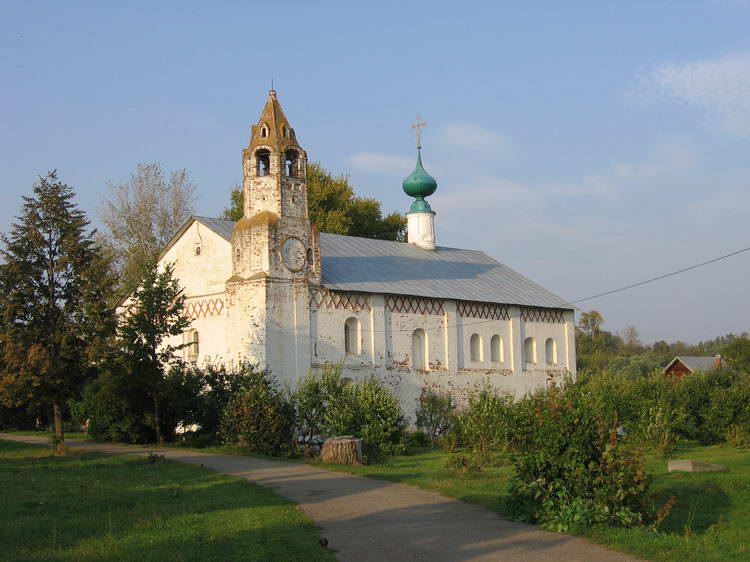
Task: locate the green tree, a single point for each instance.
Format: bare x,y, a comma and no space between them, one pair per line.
590,322
335,208
737,354
54,288
235,211
153,313
141,215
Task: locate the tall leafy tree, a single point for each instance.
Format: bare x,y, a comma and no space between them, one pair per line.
142,214
336,209
152,314
54,288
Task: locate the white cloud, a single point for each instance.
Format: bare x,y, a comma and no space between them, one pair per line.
382,163
473,137
719,87
666,160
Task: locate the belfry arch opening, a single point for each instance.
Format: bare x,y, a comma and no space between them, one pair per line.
292,163
263,162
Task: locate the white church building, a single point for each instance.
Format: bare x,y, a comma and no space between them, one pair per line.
272,290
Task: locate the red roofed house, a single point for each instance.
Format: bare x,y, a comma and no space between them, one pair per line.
682,365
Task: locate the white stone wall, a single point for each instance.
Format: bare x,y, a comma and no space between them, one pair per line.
386,350
203,278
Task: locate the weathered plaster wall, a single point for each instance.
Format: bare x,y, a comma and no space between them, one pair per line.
386,349
203,279
205,273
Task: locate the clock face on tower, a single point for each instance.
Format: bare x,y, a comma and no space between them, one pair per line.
293,254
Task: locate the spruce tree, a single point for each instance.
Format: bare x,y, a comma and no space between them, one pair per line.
153,313
54,314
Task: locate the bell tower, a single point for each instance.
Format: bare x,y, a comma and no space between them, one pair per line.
275,252
274,238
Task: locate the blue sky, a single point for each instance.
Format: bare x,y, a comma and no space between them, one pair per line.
586,144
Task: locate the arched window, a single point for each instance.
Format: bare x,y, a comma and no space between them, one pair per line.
285,132
291,158
193,345
419,356
309,256
351,336
475,347
198,250
263,131
550,351
497,351
529,351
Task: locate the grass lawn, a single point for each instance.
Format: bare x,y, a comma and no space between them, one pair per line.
90,506
710,522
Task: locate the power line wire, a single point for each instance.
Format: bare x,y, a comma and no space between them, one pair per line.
632,285
684,269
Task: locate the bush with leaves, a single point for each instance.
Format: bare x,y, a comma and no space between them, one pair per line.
211,387
110,410
662,410
314,394
435,413
574,471
366,409
260,418
729,409
486,424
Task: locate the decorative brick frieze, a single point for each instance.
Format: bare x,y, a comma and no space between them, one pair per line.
485,310
538,314
413,305
203,308
320,297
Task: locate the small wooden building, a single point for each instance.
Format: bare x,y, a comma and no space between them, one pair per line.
682,365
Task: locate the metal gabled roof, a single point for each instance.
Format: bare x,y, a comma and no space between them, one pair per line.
383,266
219,226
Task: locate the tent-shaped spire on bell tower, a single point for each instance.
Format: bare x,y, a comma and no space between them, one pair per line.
273,129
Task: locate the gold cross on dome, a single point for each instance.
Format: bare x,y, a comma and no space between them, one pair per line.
418,126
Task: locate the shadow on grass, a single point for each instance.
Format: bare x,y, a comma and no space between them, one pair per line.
700,504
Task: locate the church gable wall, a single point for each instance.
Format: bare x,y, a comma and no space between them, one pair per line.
207,272
202,274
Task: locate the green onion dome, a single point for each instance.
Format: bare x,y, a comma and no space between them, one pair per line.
419,183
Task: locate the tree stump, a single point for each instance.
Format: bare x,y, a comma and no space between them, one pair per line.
345,449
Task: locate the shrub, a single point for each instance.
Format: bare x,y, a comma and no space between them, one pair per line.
461,463
367,410
260,417
314,395
110,413
728,407
738,436
435,414
419,438
486,424
219,384
19,417
180,399
574,471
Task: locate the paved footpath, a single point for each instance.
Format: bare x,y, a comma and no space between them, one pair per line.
365,519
